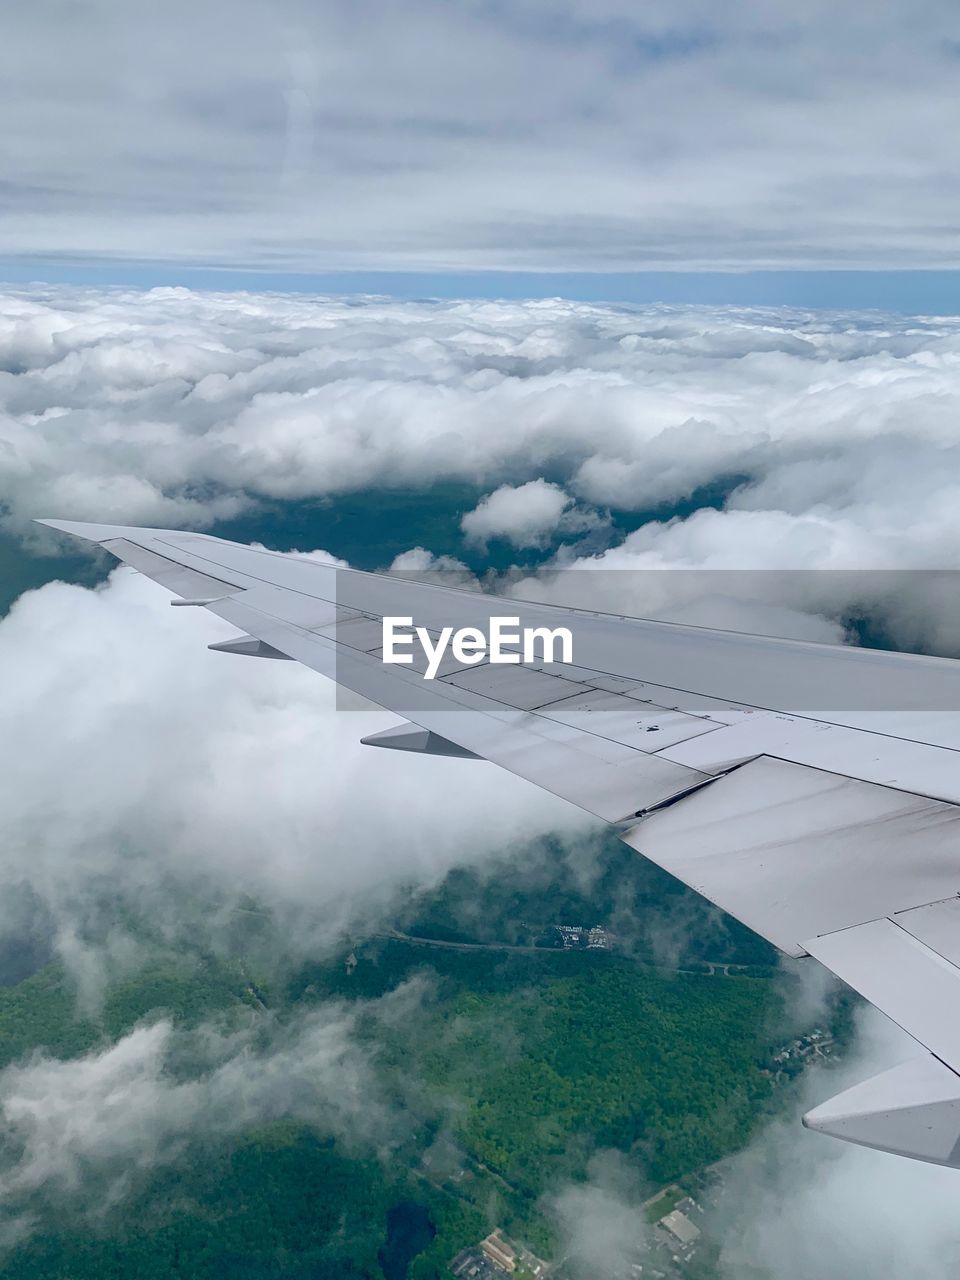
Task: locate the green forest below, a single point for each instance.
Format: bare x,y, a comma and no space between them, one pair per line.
509,1069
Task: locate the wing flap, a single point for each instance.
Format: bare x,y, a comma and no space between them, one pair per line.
795,852
903,978
913,1109
937,926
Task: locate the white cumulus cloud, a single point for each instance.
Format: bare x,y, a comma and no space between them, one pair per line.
525,515
815,440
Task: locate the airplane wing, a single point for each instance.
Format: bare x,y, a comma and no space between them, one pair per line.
812,791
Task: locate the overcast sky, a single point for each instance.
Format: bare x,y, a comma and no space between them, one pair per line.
583,135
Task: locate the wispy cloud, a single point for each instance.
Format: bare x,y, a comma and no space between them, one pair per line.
86,1132
799,1205
139,765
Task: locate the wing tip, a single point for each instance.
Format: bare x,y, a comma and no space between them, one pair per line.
90,532
93,531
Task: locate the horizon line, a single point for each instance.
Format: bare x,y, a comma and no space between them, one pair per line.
910,291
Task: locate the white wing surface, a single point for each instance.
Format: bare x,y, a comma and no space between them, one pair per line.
812,791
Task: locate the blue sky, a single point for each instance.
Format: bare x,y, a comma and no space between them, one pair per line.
904,292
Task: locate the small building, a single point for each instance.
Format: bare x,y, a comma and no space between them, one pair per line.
681,1228
571,935
499,1252
471,1264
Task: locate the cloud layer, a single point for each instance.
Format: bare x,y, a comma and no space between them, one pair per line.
833,437
144,762
588,134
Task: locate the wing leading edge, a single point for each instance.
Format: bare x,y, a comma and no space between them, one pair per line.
832,832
